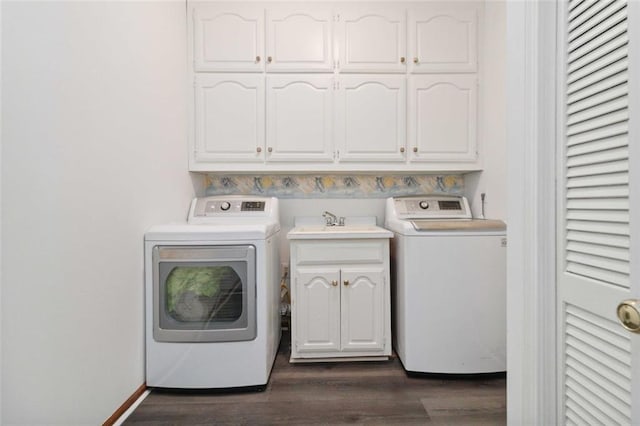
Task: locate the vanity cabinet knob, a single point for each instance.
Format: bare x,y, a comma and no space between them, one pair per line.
415,60
334,283
402,59
346,282
270,149
402,149
415,149
269,59
258,149
257,58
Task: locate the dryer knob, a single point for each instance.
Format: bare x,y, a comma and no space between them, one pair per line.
225,205
424,205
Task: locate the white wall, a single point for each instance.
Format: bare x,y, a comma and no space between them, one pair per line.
492,180
94,152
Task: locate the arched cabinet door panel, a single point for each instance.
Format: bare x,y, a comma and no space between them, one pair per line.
228,38
443,120
299,39
443,37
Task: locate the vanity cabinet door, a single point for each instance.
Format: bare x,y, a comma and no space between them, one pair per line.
371,39
229,118
363,308
228,38
316,306
443,119
443,37
370,117
299,39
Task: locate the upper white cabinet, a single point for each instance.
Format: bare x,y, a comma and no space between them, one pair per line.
370,118
335,87
443,37
371,39
443,119
228,38
299,118
229,118
299,39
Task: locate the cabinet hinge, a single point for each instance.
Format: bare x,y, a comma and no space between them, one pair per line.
336,85
336,17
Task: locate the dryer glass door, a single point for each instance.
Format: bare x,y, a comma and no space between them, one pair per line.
204,293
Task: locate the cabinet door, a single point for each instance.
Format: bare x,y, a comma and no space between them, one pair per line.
299,39
370,118
363,313
299,118
228,38
229,117
443,119
372,39
443,37
316,304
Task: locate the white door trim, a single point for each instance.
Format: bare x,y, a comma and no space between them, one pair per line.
531,135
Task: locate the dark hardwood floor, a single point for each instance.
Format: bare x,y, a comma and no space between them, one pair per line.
367,393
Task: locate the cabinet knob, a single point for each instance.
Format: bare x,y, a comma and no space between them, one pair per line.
402,149
270,149
269,59
415,60
258,149
346,282
402,59
415,149
334,283
257,58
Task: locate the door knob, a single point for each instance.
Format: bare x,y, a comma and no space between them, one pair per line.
402,60
401,149
629,314
415,60
257,58
258,149
334,283
346,282
269,59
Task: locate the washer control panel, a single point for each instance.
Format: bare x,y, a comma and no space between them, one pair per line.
432,207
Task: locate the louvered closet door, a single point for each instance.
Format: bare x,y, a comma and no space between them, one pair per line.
598,364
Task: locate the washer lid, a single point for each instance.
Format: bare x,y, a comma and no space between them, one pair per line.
459,225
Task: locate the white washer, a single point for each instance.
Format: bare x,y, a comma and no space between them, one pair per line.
449,286
212,295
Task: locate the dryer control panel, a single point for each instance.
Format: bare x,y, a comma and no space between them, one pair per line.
205,209
432,207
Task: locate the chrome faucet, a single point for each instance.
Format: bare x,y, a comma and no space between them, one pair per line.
331,219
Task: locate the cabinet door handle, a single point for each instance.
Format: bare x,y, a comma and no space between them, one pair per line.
415,149
258,149
334,283
269,59
346,282
402,149
270,149
402,59
415,60
257,58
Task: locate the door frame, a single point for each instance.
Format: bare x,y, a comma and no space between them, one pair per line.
531,174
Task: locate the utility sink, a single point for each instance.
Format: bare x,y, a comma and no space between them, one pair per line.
321,231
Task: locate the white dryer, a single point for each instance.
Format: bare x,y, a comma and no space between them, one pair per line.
212,295
449,286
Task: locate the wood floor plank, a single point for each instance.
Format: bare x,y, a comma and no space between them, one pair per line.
349,393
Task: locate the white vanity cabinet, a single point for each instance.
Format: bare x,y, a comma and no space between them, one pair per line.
340,299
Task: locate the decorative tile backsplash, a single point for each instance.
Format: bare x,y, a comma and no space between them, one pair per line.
332,186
